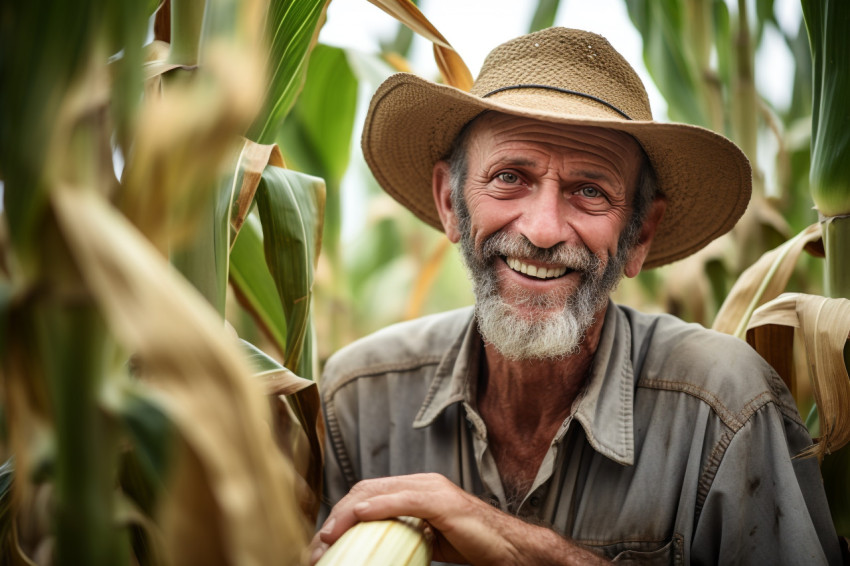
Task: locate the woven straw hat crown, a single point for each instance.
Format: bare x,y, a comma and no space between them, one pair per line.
568,77
596,71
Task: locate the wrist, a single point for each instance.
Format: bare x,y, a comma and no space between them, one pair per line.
533,544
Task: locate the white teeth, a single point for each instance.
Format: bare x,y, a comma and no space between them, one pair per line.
534,271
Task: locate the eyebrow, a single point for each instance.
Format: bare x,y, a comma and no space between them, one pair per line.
520,161
593,175
588,173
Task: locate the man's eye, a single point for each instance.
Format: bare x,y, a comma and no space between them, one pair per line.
508,177
590,192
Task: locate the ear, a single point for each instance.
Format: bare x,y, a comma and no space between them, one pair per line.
640,250
442,189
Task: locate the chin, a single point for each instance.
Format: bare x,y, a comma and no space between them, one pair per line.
530,334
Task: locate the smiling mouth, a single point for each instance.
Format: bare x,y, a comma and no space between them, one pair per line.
534,271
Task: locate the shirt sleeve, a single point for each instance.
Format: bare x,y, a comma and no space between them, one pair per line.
764,506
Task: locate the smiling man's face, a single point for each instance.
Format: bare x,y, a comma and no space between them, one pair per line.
540,226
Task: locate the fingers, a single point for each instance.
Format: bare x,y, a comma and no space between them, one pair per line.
382,498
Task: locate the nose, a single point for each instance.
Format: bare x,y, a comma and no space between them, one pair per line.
544,220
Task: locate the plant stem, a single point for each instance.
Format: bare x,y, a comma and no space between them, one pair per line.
746,111
835,466
76,350
836,238
187,20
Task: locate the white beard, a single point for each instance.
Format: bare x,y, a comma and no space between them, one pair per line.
559,329
554,335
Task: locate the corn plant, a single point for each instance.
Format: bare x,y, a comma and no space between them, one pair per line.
701,55
827,23
820,325
137,430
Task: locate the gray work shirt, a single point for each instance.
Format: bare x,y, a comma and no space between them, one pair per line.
679,449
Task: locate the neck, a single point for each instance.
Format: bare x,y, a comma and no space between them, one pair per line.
535,391
523,403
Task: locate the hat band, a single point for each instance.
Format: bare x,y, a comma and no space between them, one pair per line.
565,91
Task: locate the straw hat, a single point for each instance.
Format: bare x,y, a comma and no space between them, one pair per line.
569,77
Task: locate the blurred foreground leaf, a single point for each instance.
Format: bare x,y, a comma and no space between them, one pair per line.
228,467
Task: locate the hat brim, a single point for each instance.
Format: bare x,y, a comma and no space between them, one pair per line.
412,123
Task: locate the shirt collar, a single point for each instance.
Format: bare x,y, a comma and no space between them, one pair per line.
452,380
604,410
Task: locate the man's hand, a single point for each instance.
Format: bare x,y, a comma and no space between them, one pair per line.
466,529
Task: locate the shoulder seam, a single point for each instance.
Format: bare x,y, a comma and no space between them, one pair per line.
377,369
730,419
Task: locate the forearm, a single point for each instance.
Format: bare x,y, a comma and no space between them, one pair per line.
531,544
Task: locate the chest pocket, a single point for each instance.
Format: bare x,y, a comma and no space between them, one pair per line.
637,553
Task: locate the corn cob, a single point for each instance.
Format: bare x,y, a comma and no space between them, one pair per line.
396,542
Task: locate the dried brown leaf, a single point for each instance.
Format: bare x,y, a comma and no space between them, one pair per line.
454,70
188,135
824,324
253,160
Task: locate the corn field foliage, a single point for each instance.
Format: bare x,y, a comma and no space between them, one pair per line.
172,172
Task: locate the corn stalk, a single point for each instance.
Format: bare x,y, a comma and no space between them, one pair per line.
816,326
827,23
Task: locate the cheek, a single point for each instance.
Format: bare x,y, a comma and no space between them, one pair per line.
601,236
488,216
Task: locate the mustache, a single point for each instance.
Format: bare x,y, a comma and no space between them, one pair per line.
576,258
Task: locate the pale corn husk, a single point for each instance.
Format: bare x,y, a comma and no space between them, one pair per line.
763,281
396,542
825,326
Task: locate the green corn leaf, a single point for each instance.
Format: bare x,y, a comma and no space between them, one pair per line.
203,259
662,26
260,361
544,14
251,279
723,41
292,26
827,22
316,136
323,117
45,50
291,207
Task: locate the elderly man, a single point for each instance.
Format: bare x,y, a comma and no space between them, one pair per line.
548,425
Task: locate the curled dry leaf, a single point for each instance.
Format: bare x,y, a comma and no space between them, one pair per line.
252,161
824,324
761,282
454,70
